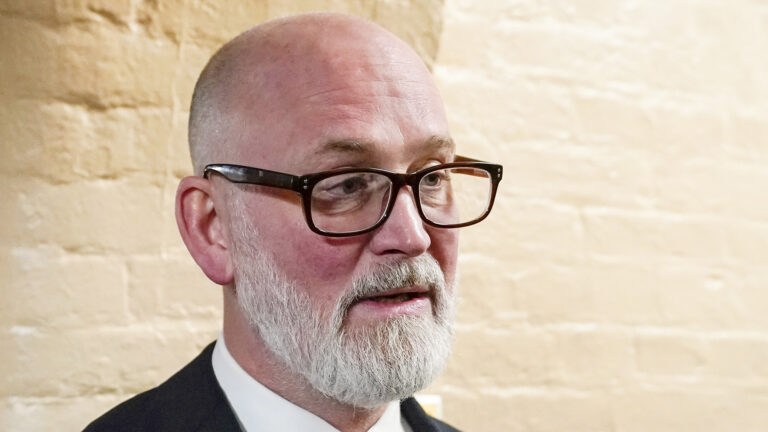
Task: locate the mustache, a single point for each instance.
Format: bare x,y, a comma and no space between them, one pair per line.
421,270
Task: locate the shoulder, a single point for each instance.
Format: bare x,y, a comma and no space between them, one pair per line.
128,416
419,420
190,400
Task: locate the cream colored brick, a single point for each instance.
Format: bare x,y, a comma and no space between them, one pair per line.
89,362
162,19
48,137
592,357
695,296
668,355
530,409
115,12
102,67
95,66
649,234
552,293
747,294
693,408
610,119
485,294
502,357
421,27
65,143
527,230
744,240
603,177
47,288
417,23
42,10
89,217
220,21
746,136
739,358
171,287
178,158
698,186
363,8
33,414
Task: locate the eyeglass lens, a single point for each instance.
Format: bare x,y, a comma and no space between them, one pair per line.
357,201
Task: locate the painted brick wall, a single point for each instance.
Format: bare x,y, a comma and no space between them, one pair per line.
619,286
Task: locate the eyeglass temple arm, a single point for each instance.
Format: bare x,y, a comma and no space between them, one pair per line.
243,174
469,171
458,158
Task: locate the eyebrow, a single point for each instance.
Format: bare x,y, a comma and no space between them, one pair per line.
433,144
345,146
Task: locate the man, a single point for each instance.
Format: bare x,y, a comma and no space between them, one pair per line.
338,286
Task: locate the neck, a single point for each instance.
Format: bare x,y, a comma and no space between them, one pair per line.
249,351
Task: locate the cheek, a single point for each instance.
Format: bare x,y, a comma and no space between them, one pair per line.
445,249
323,266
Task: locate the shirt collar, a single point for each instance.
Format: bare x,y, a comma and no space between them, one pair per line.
259,408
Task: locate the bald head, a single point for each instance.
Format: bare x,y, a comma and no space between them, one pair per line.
260,77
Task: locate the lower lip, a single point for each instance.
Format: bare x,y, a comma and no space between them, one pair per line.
373,310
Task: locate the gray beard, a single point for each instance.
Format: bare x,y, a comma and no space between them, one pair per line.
363,367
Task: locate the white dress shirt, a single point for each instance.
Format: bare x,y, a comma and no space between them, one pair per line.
258,408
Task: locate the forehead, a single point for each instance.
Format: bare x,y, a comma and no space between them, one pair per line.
341,104
375,123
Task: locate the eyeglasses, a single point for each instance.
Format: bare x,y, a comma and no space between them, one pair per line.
354,201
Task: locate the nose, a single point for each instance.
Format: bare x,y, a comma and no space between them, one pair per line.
403,232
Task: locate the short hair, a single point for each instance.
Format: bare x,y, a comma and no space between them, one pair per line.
207,113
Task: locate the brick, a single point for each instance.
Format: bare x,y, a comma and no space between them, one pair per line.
44,10
89,362
748,298
86,217
48,288
526,356
178,158
217,21
670,355
745,136
64,143
422,25
101,11
529,409
29,414
577,177
171,287
698,186
95,66
693,408
652,234
485,294
40,139
739,358
33,50
591,356
418,23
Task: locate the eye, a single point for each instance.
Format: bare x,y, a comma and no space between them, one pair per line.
434,179
349,185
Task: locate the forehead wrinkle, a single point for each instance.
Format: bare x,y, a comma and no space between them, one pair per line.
437,143
434,144
347,146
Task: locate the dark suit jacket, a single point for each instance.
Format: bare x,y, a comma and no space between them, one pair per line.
191,400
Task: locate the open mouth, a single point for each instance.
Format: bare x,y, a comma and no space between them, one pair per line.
400,295
397,298
409,300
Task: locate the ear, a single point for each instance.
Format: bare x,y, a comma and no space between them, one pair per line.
202,229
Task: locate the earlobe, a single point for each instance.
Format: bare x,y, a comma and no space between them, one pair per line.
201,229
